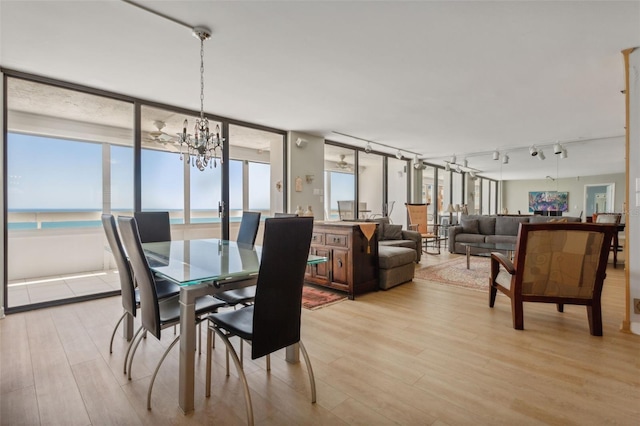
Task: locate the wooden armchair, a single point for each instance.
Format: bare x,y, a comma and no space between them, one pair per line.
615,218
561,263
418,221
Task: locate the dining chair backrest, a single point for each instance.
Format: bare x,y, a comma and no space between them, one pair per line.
248,228
278,301
124,269
150,312
153,226
346,210
278,214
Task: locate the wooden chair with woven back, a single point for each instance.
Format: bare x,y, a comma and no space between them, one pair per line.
419,221
561,263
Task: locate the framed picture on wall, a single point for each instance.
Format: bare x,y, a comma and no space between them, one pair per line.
544,201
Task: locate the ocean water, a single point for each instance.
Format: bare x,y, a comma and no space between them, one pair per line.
14,226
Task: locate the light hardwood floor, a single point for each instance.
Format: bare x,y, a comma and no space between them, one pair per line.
420,354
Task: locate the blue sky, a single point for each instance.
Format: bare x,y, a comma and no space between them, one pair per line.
47,173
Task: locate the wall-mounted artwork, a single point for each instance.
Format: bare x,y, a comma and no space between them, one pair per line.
548,201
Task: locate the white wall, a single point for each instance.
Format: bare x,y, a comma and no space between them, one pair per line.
304,160
516,192
633,219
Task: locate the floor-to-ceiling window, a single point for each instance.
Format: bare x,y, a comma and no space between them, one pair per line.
340,194
396,190
67,162
71,155
370,183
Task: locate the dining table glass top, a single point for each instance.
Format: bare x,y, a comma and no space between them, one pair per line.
189,262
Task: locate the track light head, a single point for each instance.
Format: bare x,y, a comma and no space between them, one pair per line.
541,155
399,155
447,167
505,159
563,154
557,148
533,150
496,155
367,148
453,158
465,163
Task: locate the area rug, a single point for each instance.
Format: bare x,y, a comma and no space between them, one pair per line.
455,273
315,298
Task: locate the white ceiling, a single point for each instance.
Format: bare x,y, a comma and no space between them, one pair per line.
436,78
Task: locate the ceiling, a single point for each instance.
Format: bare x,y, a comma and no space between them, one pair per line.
434,78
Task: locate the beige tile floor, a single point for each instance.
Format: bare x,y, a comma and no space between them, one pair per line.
43,289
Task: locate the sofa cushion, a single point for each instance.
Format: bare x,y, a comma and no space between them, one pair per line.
501,239
469,226
545,219
391,232
506,225
470,238
390,257
487,225
398,243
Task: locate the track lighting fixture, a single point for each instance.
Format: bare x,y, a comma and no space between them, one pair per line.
458,169
541,155
465,163
533,150
417,164
447,167
399,155
557,148
505,159
563,154
496,155
367,148
453,158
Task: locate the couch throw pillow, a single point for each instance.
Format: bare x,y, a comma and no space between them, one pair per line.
469,226
392,232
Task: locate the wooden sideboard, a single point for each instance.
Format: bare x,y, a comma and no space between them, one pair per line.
352,260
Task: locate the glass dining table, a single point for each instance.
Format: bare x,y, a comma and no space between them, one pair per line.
201,267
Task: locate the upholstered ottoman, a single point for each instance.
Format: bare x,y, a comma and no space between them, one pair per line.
397,265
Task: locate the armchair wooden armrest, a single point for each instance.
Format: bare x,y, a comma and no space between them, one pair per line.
499,258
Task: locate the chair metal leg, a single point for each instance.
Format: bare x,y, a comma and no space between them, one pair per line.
114,332
245,384
155,373
312,380
268,362
133,352
209,350
126,356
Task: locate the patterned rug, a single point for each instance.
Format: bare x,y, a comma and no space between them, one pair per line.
315,298
455,272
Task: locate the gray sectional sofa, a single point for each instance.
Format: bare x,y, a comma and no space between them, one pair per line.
492,229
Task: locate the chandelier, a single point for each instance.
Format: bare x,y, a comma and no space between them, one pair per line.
205,147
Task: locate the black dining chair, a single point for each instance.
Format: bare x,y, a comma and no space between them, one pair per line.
273,321
130,294
153,226
248,228
247,236
155,316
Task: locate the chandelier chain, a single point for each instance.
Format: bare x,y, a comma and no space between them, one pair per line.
201,77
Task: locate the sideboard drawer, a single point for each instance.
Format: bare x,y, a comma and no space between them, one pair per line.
336,240
317,238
